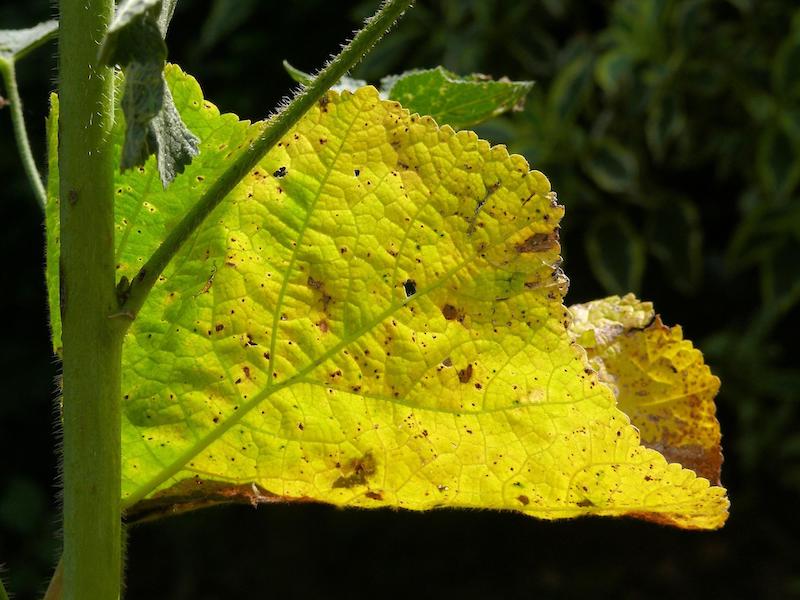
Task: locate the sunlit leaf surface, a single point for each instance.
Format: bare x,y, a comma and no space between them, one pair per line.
373,318
662,383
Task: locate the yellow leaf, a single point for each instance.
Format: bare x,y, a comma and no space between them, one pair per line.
373,318
660,379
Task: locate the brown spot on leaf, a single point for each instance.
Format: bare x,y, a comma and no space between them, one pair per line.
538,242
450,312
357,472
523,499
465,374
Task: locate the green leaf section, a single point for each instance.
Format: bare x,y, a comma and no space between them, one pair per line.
373,318
456,101
448,98
135,41
16,43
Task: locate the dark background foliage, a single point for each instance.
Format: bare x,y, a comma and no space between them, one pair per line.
671,131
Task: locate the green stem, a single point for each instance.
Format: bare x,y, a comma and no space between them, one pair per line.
277,127
3,594
92,343
21,133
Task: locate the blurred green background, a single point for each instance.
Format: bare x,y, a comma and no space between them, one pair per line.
671,132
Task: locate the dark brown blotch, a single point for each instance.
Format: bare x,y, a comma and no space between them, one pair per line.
357,472
465,374
538,242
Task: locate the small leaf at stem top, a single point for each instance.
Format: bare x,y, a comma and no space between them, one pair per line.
135,41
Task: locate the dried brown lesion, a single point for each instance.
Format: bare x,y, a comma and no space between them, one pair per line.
194,493
538,242
357,472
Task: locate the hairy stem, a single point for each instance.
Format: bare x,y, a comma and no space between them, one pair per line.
277,127
92,343
21,133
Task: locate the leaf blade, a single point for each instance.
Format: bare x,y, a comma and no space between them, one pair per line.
661,380
392,381
16,43
453,100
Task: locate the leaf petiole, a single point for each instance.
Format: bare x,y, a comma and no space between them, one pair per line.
8,71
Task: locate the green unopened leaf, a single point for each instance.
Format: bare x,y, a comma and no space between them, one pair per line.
453,100
16,43
345,83
135,41
298,75
372,318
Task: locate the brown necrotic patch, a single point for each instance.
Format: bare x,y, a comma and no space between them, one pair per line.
451,313
538,242
357,472
465,374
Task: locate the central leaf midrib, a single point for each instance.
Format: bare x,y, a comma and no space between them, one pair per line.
285,283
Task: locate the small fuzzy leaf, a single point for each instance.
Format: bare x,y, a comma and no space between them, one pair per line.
165,17
134,35
454,100
344,84
298,75
16,43
372,318
135,41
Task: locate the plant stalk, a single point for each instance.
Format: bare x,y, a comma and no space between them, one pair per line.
276,128
92,343
21,133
